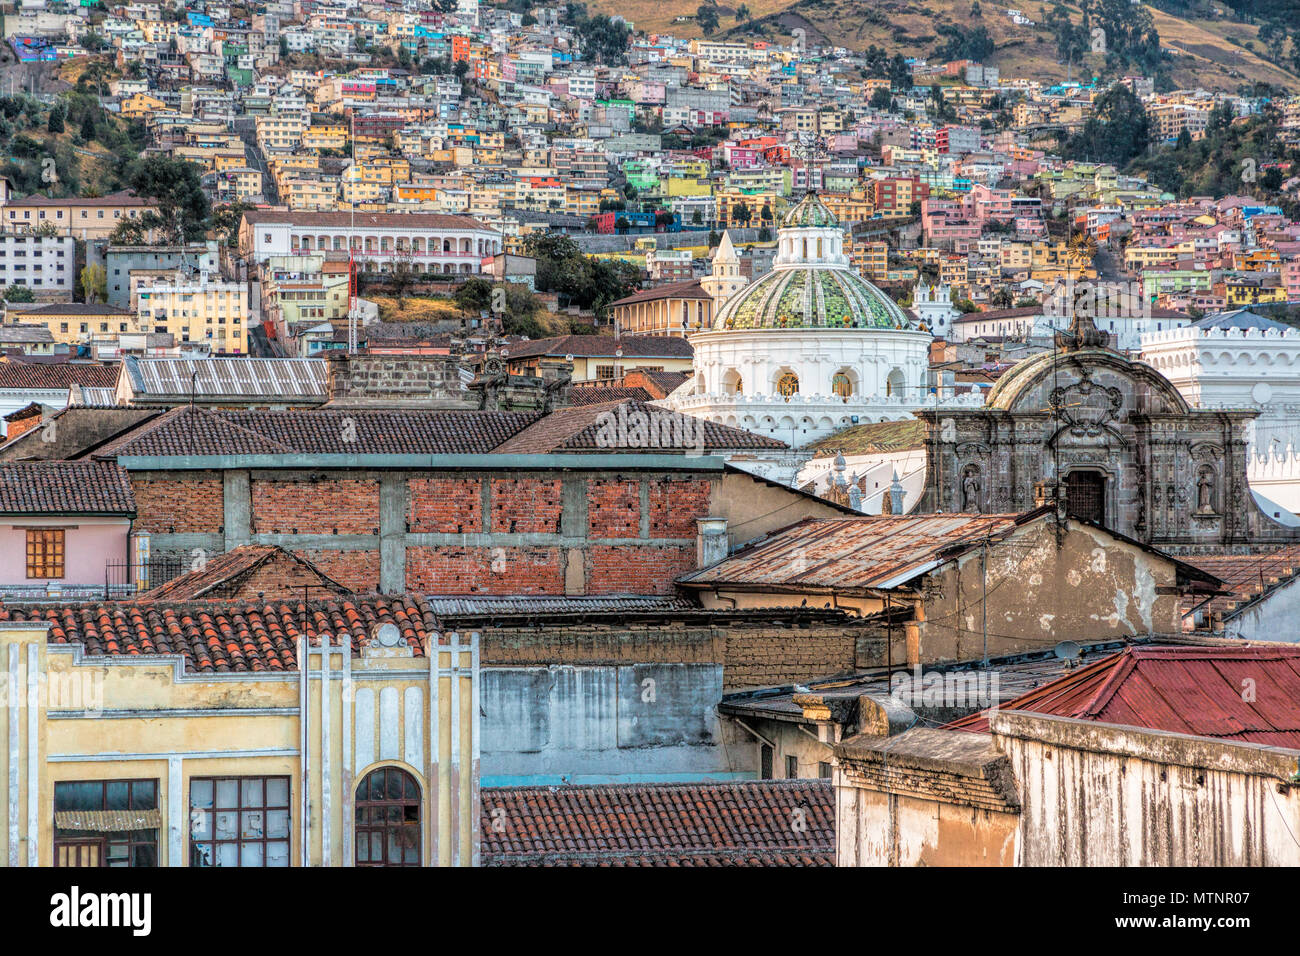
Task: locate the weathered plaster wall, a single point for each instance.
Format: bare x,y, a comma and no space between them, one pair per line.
597,724
1089,587
889,829
1271,619
1102,795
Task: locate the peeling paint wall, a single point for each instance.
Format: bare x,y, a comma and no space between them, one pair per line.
635,723
1088,587
1102,795
874,828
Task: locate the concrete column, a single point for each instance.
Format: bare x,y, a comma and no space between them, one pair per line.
393,495
237,509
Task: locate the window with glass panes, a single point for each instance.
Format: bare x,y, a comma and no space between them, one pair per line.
106,823
388,819
239,821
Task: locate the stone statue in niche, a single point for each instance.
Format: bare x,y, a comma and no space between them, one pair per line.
1205,492
970,490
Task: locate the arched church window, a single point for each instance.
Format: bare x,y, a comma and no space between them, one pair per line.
732,383
805,248
819,248
894,384
787,384
841,384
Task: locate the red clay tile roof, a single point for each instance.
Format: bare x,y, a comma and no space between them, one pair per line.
225,637
754,823
123,197
690,289
665,382
51,376
1181,689
1246,576
225,568
64,488
593,427
397,220
204,431
600,394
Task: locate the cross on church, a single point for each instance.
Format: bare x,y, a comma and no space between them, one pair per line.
811,148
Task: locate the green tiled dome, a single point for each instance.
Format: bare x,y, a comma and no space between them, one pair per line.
810,212
811,297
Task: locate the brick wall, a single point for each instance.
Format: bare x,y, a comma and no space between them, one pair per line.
340,505
759,657
526,505
280,578
452,505
752,656
468,570
674,506
460,532
613,508
357,570
636,569
178,504
563,643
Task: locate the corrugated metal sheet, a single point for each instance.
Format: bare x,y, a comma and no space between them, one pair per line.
849,553
259,378
1184,690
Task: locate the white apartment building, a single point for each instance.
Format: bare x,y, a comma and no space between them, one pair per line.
44,264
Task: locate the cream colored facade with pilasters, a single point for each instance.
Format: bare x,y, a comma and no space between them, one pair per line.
325,728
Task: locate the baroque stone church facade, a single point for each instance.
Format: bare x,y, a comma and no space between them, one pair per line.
1109,440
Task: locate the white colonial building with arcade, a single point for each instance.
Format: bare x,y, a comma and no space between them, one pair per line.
1242,360
430,242
809,348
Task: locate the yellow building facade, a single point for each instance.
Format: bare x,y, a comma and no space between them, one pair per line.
357,759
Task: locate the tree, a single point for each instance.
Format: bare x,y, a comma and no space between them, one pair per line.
1117,131
183,207
740,213
881,98
94,283
88,126
697,217
19,293
603,38
55,122
742,13
707,17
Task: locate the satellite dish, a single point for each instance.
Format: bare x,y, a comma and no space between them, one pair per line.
387,635
1066,651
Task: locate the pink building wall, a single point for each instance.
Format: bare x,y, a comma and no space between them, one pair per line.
89,544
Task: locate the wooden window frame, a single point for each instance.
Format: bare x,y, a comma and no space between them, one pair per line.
239,841
102,841
372,817
46,554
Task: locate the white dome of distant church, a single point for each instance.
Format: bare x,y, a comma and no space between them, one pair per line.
809,348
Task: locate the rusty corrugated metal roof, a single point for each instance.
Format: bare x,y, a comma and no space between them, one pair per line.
857,553
1183,690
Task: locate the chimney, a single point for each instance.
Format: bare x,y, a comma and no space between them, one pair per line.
710,541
